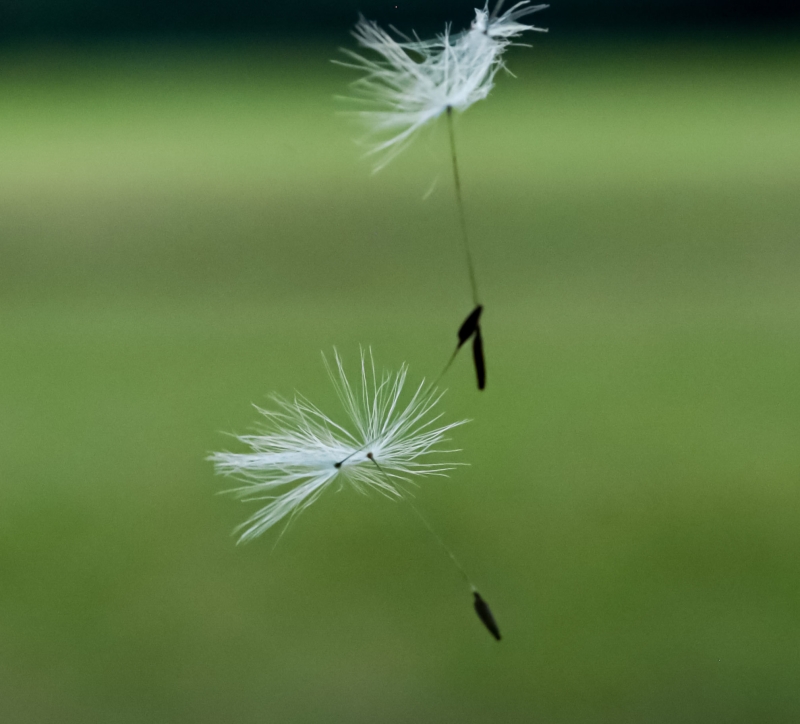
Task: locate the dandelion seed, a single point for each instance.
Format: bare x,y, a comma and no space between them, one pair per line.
382,445
409,82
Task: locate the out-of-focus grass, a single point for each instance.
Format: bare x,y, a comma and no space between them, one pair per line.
182,230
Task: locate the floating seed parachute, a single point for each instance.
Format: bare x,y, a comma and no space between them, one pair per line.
300,451
409,82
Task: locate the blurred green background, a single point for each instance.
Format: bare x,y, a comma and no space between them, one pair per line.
184,226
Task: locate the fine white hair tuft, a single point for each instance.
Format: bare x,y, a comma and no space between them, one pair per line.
408,82
300,451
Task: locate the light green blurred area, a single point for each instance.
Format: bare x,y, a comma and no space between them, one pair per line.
184,229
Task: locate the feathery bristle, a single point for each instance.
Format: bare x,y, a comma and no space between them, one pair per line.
408,83
301,450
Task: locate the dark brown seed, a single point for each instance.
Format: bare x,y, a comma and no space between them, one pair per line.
485,615
480,362
470,325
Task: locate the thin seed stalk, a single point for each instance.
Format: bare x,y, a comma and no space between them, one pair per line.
429,527
460,203
481,607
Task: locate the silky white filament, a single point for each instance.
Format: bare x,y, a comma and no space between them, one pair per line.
301,451
408,82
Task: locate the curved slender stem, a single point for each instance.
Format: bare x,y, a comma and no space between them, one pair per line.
441,543
460,202
429,527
